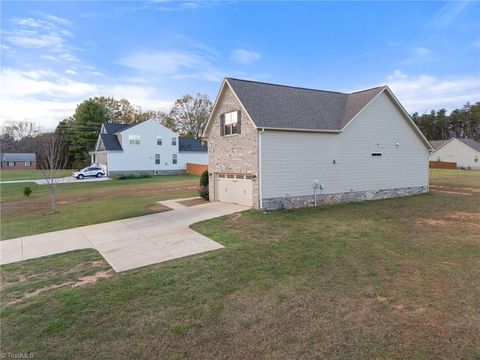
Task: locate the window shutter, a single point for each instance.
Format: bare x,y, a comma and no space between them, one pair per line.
239,122
222,124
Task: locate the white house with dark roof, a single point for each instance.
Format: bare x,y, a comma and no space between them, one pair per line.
274,146
464,152
145,147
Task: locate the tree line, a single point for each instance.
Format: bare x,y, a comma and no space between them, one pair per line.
79,132
437,125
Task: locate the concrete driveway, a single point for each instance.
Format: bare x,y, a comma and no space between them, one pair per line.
130,243
64,180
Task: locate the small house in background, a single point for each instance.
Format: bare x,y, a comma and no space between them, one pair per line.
19,161
464,152
146,147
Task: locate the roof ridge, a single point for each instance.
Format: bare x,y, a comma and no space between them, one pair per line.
375,87
288,86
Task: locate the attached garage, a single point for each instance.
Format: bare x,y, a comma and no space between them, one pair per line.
234,188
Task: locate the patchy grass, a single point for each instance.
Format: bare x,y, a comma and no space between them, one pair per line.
455,178
9,175
87,203
395,278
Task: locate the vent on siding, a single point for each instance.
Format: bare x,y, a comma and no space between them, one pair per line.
376,154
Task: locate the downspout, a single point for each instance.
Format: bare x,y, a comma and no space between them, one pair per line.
260,169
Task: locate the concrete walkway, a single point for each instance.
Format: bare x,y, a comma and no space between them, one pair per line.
130,243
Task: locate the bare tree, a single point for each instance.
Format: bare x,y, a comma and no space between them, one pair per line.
21,129
51,160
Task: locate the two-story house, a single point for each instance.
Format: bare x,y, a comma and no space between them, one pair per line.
145,147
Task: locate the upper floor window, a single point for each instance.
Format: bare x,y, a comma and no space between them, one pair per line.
134,139
174,141
157,159
159,141
174,159
230,123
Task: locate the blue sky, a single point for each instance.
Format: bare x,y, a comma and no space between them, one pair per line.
56,54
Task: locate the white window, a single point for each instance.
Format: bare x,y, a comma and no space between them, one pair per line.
159,141
174,141
157,159
11,163
476,158
230,125
134,139
27,163
174,159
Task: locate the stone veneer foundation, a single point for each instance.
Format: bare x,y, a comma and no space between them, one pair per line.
294,202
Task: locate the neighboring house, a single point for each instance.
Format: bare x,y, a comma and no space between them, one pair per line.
145,147
274,146
19,161
464,152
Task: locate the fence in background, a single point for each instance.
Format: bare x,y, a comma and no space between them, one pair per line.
196,169
442,165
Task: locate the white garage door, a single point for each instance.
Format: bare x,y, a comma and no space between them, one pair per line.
235,189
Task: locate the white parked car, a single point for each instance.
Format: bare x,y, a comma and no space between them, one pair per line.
89,171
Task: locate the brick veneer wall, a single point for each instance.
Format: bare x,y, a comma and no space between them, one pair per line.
236,153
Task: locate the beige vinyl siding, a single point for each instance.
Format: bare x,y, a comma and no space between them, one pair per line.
457,152
292,160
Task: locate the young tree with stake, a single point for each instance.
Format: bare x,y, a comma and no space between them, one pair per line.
51,160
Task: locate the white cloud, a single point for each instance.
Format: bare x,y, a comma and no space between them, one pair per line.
47,97
423,93
244,56
175,64
421,51
37,33
448,13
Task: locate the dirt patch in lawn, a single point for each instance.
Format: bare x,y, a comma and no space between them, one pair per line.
91,279
470,219
452,192
474,216
193,202
461,189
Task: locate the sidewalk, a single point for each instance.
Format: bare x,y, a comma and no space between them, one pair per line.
129,243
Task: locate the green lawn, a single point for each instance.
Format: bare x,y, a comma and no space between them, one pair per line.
85,203
455,177
7,175
389,279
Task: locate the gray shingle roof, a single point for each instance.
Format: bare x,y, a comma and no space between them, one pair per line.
288,107
190,144
115,128
110,142
470,142
19,157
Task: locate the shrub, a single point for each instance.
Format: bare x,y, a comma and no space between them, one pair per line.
204,178
27,191
203,191
130,176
